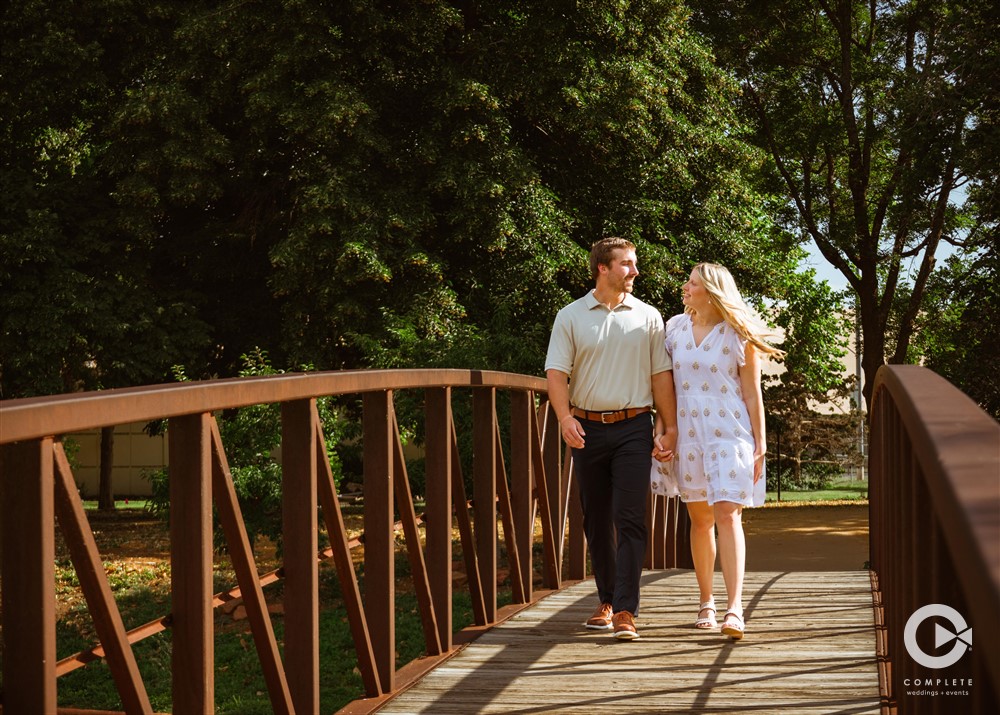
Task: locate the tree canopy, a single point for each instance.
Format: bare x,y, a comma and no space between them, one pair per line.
352,184
880,120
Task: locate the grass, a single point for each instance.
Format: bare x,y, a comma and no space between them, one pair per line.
839,491
125,503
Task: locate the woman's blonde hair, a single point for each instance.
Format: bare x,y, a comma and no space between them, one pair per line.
725,297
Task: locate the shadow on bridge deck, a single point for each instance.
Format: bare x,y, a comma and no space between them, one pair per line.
810,648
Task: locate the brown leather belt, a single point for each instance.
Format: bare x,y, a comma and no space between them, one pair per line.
609,417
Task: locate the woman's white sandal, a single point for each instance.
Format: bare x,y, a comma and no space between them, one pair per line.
706,622
733,625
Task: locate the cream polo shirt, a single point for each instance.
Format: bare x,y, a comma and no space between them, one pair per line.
608,354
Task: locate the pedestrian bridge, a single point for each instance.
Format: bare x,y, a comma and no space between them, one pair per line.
830,642
810,648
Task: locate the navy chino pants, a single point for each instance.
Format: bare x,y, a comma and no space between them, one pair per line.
612,471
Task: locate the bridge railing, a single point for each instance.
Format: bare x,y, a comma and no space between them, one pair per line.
37,490
935,539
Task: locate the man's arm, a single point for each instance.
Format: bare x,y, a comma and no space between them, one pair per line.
665,429
569,426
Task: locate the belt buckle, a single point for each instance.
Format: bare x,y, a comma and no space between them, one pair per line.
605,414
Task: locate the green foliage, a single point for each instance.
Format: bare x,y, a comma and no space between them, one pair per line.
958,336
251,437
816,325
872,129
352,184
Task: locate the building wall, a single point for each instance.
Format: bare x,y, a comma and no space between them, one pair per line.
135,452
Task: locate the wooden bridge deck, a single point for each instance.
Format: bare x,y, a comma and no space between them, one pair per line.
809,648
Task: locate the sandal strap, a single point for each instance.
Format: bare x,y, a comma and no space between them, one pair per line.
709,604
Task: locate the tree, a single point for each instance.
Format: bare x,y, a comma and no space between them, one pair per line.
868,124
957,334
816,327
354,184
82,305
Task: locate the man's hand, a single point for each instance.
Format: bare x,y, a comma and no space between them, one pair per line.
572,431
664,444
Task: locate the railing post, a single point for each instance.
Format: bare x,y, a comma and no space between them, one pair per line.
193,639
437,455
521,482
552,458
300,544
28,569
484,471
379,588
577,547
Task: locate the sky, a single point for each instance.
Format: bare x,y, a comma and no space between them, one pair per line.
824,271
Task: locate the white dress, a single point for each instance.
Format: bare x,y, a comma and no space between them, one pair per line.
714,436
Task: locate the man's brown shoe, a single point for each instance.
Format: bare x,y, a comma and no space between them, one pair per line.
601,620
624,626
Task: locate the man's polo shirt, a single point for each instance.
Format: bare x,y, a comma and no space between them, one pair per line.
608,354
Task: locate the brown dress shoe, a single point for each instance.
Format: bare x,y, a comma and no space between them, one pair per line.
601,620
624,626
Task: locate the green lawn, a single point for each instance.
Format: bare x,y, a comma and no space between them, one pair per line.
137,503
844,490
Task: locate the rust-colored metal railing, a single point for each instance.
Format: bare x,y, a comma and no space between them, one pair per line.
935,544
37,490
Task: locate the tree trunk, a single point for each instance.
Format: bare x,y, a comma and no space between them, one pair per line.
106,496
873,357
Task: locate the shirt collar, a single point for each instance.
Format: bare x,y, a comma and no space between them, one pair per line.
592,302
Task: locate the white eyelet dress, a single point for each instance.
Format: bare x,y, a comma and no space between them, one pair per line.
714,437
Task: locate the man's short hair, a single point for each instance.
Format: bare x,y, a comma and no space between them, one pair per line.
603,251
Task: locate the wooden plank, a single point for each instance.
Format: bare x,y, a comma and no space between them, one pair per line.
414,551
241,555
796,657
340,550
438,468
380,572
521,488
27,536
467,539
551,545
96,589
484,494
193,632
299,546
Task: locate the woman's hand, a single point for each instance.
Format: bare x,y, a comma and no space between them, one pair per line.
758,463
664,444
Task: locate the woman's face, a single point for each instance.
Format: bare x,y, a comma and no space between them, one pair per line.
695,296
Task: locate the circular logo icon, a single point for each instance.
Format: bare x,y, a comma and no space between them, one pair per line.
961,634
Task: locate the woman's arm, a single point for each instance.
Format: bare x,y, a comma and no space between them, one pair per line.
754,401
665,427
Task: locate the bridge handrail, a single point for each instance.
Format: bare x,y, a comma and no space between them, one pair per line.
36,417
37,490
935,519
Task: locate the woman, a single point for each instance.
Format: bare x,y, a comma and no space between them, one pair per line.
716,346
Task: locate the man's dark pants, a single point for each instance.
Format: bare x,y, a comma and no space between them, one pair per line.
612,471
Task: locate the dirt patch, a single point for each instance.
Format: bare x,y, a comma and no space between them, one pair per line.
813,537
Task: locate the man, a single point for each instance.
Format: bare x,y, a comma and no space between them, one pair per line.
609,346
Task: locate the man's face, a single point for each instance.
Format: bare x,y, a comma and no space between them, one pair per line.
621,271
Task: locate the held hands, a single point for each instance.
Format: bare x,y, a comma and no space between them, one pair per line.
572,431
664,444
